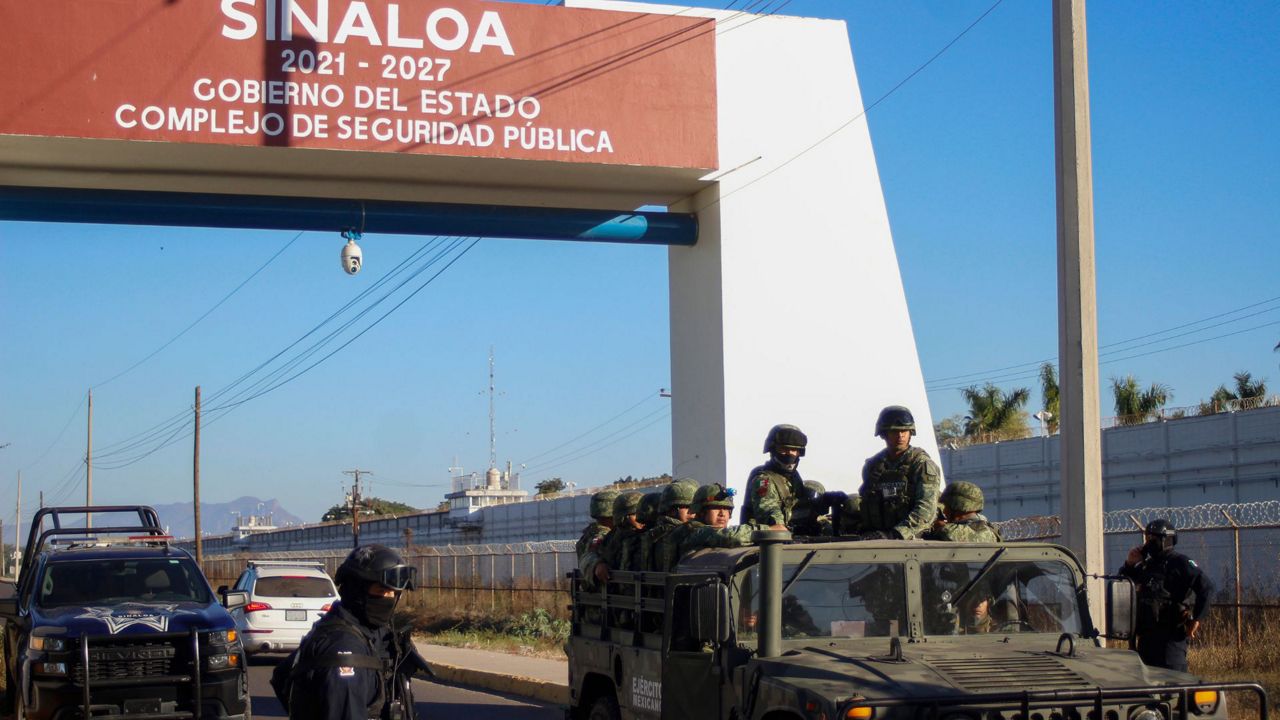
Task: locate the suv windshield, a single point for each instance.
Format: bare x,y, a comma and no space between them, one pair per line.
1013,596
293,586
104,582
851,600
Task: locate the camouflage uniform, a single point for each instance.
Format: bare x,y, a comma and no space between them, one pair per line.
677,494
774,488
963,499
974,529
705,536
771,496
900,495
602,506
622,547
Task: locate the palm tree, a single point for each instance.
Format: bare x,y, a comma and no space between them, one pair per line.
1246,389
1049,390
994,415
1133,404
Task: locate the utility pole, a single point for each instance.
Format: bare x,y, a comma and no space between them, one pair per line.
195,482
1079,425
493,437
88,467
355,505
17,526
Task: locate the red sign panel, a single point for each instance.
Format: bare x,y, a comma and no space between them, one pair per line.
436,77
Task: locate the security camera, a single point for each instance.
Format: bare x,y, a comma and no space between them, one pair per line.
351,257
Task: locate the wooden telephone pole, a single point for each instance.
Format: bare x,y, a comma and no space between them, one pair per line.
88,467
195,482
355,505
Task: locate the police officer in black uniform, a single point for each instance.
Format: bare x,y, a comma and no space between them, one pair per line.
352,665
1173,595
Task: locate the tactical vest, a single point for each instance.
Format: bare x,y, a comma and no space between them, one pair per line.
1156,607
304,701
786,496
666,550
886,490
650,545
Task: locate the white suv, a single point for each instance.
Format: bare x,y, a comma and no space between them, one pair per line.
285,599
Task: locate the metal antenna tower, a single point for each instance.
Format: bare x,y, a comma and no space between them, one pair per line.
493,437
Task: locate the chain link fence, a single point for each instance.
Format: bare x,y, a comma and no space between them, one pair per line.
460,580
1238,545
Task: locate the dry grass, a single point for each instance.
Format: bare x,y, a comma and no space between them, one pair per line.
1215,654
532,624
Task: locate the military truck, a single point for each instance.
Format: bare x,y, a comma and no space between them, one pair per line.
876,630
112,620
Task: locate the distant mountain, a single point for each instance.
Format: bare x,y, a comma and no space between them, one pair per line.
219,518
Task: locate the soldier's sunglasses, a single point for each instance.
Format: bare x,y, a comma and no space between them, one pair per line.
400,577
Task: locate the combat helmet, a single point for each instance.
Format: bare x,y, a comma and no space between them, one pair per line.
602,504
679,492
785,436
370,564
962,497
648,512
712,495
815,488
1160,534
628,503
895,417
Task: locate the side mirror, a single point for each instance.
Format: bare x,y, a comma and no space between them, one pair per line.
235,599
9,607
709,619
1122,609
222,590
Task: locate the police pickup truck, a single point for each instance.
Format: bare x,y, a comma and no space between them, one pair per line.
875,630
114,621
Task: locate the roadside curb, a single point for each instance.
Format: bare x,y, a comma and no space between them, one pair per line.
519,685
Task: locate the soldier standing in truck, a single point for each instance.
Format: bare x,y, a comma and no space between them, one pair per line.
899,484
774,488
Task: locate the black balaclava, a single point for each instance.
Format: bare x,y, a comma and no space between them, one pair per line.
784,463
1156,545
372,610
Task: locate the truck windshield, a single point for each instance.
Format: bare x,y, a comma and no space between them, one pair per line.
106,582
1015,596
851,600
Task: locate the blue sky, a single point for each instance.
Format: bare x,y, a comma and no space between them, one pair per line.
1186,189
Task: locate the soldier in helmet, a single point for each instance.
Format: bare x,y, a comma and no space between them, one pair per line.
774,488
1173,596
963,521
674,507
809,516
594,534
633,546
713,504
352,666
626,526
900,483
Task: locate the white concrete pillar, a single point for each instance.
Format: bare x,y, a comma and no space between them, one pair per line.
791,307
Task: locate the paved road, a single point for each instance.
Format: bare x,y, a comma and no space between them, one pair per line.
434,701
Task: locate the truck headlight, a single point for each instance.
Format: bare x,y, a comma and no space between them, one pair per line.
50,668
1204,701
223,637
1146,714
48,644
222,661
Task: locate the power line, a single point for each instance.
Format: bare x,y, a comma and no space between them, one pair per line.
559,460
655,421
1054,358
179,419
993,376
206,314
645,399
225,408
846,123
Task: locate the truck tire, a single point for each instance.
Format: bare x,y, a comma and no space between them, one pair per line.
605,707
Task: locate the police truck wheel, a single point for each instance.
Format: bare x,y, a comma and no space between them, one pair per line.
605,708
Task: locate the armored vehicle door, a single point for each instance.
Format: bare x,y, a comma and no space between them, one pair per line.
697,622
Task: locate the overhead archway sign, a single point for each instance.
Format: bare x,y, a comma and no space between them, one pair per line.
459,78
